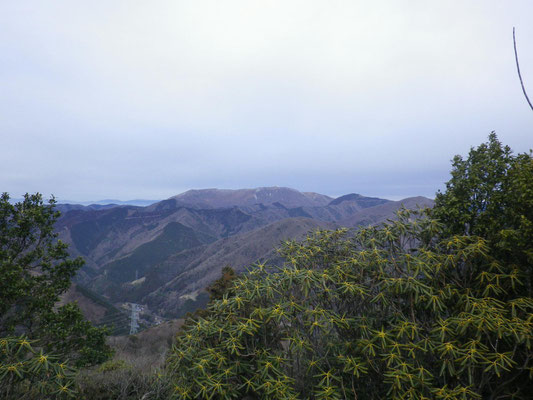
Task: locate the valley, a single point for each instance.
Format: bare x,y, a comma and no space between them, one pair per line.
163,255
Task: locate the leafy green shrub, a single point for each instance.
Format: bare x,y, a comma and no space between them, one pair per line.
65,331
490,195
26,372
418,308
390,312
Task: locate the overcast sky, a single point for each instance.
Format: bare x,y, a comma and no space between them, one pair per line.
146,99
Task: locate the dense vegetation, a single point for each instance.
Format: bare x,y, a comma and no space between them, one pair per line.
436,304
26,372
36,269
490,195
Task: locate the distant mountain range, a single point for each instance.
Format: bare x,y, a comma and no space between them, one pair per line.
162,255
99,204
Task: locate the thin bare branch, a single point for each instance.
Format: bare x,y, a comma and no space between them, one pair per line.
518,69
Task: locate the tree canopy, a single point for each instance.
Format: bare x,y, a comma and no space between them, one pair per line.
490,195
36,269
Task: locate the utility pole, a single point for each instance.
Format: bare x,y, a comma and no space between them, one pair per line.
134,325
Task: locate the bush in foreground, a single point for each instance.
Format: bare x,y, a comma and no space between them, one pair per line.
387,313
418,308
28,373
36,270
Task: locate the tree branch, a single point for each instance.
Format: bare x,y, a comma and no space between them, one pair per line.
518,69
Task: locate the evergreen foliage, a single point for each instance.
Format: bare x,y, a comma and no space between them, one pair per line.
26,372
36,269
223,285
490,195
419,308
65,331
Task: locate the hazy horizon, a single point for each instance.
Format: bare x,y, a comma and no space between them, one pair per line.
135,100
104,201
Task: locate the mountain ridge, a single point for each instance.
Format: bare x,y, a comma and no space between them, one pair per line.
245,197
161,254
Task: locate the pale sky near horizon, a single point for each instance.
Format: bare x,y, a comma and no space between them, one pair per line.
136,99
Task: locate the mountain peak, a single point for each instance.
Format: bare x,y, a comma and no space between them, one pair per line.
217,198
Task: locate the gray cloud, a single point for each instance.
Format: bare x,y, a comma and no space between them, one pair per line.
130,99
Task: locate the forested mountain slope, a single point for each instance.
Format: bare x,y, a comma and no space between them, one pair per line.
158,254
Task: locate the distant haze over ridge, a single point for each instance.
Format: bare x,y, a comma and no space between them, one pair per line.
227,197
135,202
